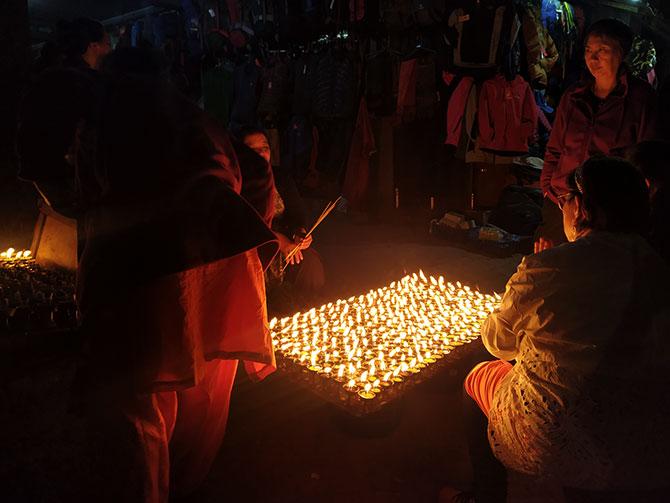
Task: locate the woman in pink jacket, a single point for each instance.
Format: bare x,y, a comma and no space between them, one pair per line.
607,114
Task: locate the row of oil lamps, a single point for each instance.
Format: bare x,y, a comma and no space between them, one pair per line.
373,341
12,254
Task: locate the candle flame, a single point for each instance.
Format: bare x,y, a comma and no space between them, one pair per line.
393,331
12,254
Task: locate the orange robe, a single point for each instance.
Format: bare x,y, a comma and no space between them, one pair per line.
170,282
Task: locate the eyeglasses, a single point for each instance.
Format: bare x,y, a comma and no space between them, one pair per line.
564,198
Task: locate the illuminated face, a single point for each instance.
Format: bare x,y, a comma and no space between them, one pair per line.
259,144
96,51
603,57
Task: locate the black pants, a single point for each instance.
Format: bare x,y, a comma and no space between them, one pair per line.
490,476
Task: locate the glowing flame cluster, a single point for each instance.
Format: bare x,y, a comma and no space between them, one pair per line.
373,341
12,254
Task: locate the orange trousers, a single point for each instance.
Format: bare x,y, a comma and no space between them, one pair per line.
483,380
161,444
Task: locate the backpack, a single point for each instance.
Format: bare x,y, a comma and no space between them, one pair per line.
481,34
519,210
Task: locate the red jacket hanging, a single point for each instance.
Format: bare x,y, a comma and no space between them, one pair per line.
507,115
406,107
456,109
357,178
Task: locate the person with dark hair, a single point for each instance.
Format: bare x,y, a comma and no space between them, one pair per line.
288,224
57,101
84,43
650,158
607,113
166,321
585,404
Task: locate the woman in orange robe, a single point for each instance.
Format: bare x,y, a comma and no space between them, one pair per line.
170,281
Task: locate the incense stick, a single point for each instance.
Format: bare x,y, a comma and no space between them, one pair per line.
329,207
324,214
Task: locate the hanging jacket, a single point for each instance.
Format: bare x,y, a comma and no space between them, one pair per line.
541,52
549,10
559,19
245,95
479,32
585,126
357,176
335,89
396,15
642,58
274,88
465,91
417,89
507,115
234,11
297,146
356,10
426,87
217,90
261,14
406,106
304,83
379,84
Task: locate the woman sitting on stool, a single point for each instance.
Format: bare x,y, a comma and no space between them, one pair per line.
587,323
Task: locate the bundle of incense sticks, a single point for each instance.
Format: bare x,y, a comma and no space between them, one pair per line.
330,207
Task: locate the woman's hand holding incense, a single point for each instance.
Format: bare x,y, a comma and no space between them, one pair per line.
295,259
287,247
302,239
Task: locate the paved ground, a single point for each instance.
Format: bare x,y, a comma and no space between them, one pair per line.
283,444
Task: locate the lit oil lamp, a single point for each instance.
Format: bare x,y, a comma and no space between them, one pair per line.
372,342
12,254
367,392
